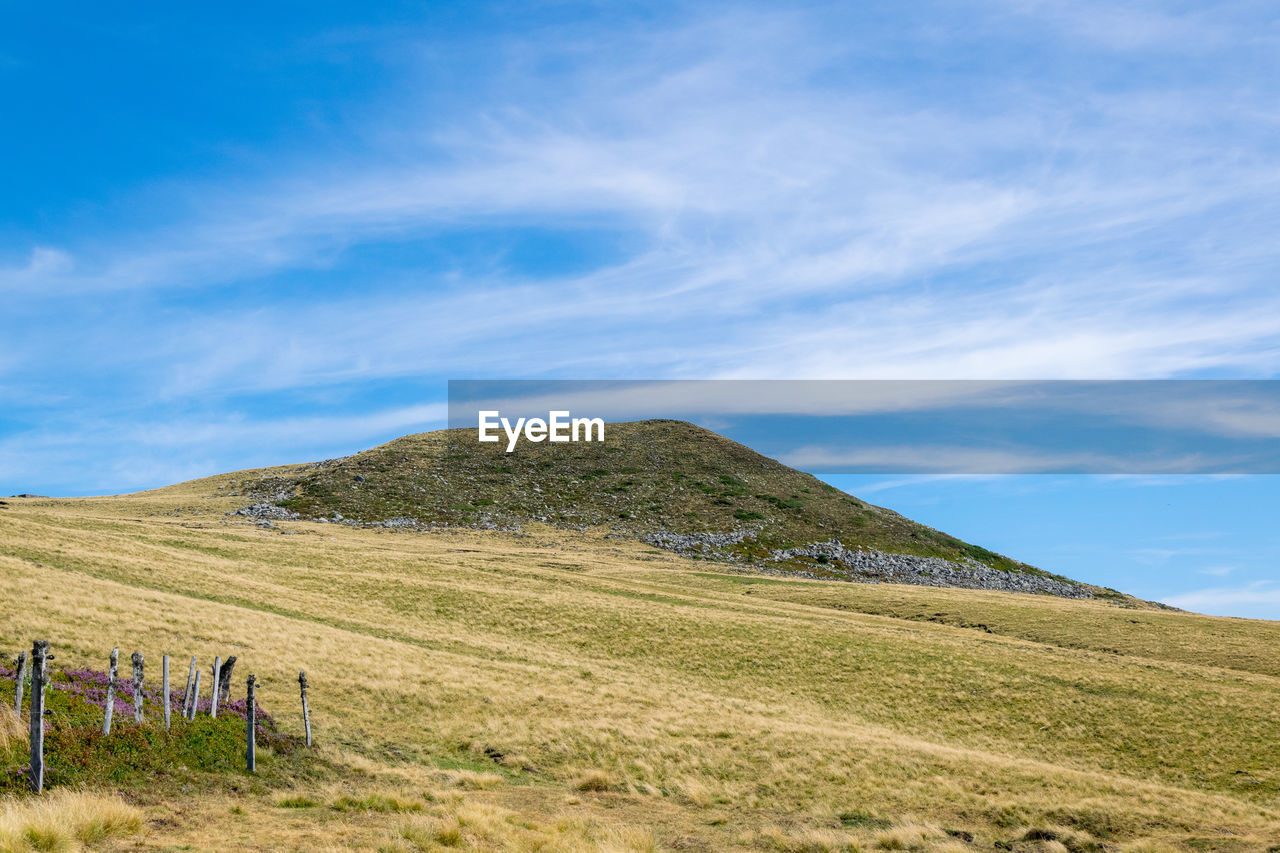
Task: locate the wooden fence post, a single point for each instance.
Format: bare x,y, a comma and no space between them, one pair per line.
39,658
195,697
250,715
217,681
137,686
164,677
111,692
306,713
186,694
19,681
224,679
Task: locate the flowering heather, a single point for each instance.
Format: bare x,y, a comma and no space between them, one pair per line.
77,750
90,685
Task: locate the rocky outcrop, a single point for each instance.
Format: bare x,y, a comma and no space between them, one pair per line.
266,511
867,565
832,560
697,543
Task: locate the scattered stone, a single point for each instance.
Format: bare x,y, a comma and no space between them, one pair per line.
265,510
696,542
867,565
265,514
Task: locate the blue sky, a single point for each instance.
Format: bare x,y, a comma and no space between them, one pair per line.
241,235
1201,543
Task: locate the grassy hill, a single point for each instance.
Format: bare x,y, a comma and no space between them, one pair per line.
560,690
648,477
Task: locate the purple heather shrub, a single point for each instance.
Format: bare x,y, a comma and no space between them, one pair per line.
90,685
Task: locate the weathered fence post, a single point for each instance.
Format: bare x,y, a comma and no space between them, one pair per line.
19,681
224,679
306,713
186,694
111,692
195,697
137,686
39,658
250,715
164,678
217,682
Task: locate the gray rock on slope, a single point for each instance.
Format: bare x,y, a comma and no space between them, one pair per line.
869,565
266,511
866,565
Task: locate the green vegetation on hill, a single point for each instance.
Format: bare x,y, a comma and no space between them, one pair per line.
646,477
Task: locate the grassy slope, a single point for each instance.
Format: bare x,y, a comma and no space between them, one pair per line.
647,476
725,711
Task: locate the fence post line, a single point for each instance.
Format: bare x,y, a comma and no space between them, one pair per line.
164,677
137,686
217,672
186,694
111,692
306,713
250,716
19,682
39,658
195,697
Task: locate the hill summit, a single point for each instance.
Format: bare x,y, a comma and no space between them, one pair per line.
669,483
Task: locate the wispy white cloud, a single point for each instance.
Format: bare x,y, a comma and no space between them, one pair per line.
1260,599
1134,26
153,453
965,459
1158,556
789,209
920,480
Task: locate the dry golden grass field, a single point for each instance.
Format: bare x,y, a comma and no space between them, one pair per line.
555,691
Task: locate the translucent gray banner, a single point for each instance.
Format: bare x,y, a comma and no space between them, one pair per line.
944,427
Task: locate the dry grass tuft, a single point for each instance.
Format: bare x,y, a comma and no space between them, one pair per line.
806,841
696,794
593,780
1070,840
483,826
298,802
13,731
473,780
64,821
385,803
912,837
1147,846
